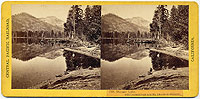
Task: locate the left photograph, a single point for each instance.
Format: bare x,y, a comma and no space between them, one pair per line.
56,46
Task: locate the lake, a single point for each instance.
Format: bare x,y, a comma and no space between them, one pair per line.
28,73
33,63
122,61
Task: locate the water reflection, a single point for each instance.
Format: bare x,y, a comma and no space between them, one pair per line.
162,61
27,48
123,61
35,60
122,71
26,74
75,60
114,49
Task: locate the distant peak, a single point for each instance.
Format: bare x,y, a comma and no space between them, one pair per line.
51,17
23,13
110,14
137,18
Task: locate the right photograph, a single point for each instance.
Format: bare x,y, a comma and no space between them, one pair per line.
144,47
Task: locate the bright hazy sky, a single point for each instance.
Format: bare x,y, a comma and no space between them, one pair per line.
129,11
42,11
61,11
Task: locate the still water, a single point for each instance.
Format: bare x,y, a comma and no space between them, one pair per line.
123,70
122,62
28,73
34,61
31,65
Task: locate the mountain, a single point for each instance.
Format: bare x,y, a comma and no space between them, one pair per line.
111,22
54,21
27,22
139,21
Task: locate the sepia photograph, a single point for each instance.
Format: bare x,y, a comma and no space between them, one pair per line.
144,47
56,46
100,49
94,47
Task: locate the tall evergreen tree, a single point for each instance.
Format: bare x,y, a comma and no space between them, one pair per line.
154,28
93,23
160,22
96,23
183,21
74,24
179,24
68,26
87,21
78,19
174,24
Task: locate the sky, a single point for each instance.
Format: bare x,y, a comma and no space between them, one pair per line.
42,11
129,11
61,11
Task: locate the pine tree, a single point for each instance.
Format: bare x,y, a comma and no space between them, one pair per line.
138,34
74,23
88,15
154,28
78,25
92,22
179,24
183,20
96,23
174,24
160,22
87,21
68,26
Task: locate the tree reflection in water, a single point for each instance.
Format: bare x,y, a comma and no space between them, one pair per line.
163,61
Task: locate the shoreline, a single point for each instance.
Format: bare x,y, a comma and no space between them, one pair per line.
167,79
160,80
77,79
88,78
176,52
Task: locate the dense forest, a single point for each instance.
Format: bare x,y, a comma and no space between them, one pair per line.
84,25
171,26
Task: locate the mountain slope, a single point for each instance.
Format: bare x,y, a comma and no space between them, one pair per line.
27,22
139,21
53,20
111,22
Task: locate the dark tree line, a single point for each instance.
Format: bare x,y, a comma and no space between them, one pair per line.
84,24
38,34
125,35
173,26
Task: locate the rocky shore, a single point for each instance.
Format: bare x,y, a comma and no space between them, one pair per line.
90,78
84,77
168,79
165,79
78,79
